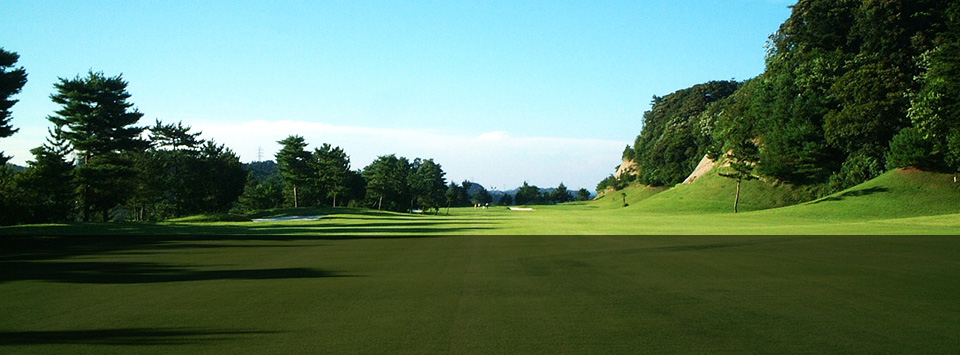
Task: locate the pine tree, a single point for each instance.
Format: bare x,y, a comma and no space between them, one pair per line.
560,194
386,180
47,183
293,163
174,136
332,168
223,178
429,186
97,120
11,82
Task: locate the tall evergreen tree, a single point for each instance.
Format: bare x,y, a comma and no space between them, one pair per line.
294,164
224,178
98,121
11,82
386,180
47,183
507,200
174,136
560,194
527,194
259,195
174,172
429,185
583,195
332,167
456,196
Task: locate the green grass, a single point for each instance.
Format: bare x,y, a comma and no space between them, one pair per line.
635,193
712,193
480,294
899,194
898,202
219,217
362,281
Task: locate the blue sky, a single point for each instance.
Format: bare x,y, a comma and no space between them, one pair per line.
496,92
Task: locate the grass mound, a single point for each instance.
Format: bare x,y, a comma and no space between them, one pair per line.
712,193
900,193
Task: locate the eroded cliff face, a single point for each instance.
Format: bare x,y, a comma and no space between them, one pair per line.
626,167
702,168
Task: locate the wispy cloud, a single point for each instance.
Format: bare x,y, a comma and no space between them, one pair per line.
495,159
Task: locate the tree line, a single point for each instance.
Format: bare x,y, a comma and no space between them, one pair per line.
322,177
850,89
98,164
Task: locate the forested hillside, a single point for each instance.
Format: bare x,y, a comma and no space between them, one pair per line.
850,90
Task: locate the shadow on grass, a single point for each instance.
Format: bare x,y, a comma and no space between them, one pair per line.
124,336
139,273
709,246
38,255
318,230
40,242
854,193
705,245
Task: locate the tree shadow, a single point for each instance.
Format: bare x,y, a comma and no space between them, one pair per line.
704,245
50,257
854,193
416,227
40,242
140,273
709,246
124,336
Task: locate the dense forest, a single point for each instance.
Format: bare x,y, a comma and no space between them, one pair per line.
850,89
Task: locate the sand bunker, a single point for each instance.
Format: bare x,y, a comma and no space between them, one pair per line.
287,219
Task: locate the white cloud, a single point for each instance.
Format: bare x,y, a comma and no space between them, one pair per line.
495,159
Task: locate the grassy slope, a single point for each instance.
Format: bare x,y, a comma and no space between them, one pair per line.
480,294
896,194
895,203
635,193
712,193
898,202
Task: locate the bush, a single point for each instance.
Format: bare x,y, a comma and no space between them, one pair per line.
859,167
910,149
612,182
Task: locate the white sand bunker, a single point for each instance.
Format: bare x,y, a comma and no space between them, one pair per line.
287,219
521,209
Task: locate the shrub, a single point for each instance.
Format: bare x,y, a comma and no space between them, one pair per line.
859,167
910,148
